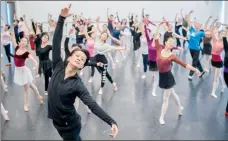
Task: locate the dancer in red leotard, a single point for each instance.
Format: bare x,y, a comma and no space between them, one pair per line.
166,79
22,74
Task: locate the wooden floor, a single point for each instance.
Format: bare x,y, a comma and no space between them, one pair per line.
132,106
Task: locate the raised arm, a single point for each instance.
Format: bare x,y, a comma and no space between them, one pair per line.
181,13
188,19
156,40
206,23
86,33
108,13
66,43
176,17
98,24
117,15
166,24
225,43
143,13
33,26
114,39
26,24
13,36
147,35
57,38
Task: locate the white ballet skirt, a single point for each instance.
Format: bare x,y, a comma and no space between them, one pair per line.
22,75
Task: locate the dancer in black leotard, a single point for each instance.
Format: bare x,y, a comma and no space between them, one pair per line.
178,25
66,85
185,24
43,50
207,47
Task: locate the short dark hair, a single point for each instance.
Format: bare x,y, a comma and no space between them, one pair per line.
21,19
84,51
45,33
76,45
8,26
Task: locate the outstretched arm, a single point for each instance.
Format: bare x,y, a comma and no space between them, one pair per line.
13,37
57,38
85,97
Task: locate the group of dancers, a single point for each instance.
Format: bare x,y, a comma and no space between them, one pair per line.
93,47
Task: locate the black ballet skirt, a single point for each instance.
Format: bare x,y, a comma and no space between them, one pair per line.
207,49
217,64
166,80
136,44
153,66
45,63
45,66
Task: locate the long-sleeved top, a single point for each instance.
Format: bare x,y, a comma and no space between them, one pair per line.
5,38
152,53
225,44
62,92
103,48
194,38
42,51
164,63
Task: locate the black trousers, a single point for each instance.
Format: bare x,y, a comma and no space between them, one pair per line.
104,73
73,135
7,51
145,62
67,132
47,75
195,61
92,59
17,37
226,81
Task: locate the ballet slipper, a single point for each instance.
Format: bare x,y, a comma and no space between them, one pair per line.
26,108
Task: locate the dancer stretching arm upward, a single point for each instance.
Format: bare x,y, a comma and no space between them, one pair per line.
66,85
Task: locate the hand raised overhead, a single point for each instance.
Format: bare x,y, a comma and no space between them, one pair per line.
65,11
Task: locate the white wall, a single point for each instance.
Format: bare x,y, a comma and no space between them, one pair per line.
226,12
157,9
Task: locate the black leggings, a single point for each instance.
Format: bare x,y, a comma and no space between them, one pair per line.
145,62
47,75
17,37
8,54
92,71
104,73
92,59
